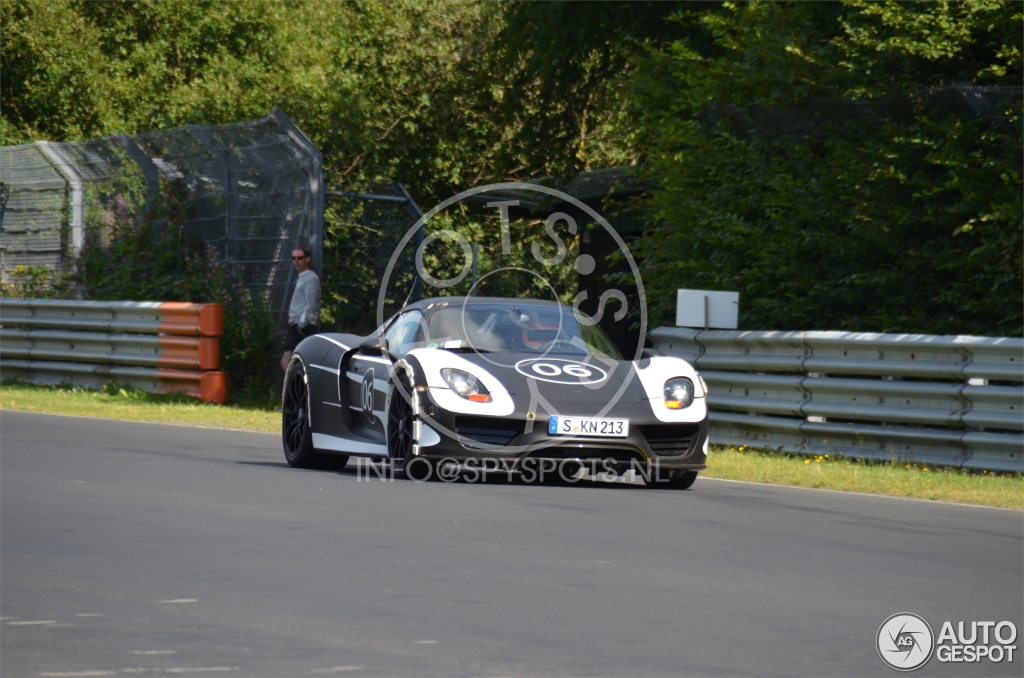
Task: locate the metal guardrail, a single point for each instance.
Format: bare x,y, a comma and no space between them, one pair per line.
945,400
158,347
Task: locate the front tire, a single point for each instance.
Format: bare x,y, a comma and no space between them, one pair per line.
296,434
400,423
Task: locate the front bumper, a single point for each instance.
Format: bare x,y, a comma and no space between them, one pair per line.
524,444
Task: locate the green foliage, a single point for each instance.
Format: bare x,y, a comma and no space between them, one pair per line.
908,221
34,282
133,259
141,263
556,70
351,285
892,222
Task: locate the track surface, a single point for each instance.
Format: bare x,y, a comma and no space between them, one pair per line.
318,573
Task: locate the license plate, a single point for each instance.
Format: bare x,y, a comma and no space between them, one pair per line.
588,426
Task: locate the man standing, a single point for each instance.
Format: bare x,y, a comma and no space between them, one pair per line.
304,311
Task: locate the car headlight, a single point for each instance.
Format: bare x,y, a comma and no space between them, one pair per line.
678,393
466,385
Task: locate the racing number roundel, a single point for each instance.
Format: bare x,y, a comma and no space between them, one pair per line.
559,371
366,395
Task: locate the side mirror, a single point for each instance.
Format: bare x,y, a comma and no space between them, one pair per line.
376,345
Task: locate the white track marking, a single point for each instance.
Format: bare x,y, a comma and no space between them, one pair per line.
181,669
425,642
89,614
334,669
180,600
31,623
71,674
152,652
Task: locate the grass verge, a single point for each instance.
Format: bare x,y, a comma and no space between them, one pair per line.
826,472
896,479
115,402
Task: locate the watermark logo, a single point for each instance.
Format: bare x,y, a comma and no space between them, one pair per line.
527,471
548,251
905,641
977,640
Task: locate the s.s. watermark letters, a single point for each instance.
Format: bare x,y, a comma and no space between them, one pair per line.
905,642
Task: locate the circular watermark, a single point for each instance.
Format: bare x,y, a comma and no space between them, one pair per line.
905,641
583,371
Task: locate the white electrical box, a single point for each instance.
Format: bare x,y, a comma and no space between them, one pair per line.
708,309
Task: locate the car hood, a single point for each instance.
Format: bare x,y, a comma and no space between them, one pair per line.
584,386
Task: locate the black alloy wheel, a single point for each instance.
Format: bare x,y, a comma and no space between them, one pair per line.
295,430
400,424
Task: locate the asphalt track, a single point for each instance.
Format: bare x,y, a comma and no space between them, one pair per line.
165,550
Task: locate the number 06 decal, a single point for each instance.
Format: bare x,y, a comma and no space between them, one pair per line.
558,371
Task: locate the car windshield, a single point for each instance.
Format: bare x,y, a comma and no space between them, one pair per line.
513,327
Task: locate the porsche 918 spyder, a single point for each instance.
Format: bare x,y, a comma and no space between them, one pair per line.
519,385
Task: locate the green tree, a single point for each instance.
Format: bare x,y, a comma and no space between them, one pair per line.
904,215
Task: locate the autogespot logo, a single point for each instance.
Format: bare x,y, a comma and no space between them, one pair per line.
905,641
544,269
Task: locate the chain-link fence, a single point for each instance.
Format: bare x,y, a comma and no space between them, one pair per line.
363,231
253,190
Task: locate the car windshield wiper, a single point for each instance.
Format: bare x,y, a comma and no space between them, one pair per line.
466,349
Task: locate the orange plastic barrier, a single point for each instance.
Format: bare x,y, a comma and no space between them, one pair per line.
93,341
206,320
189,353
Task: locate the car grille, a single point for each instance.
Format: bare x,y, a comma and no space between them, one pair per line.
669,440
486,432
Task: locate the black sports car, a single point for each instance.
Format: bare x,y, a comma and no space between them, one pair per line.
482,384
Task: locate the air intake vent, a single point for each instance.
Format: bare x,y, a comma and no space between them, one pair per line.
486,432
669,440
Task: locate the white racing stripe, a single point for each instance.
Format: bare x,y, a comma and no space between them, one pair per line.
323,441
